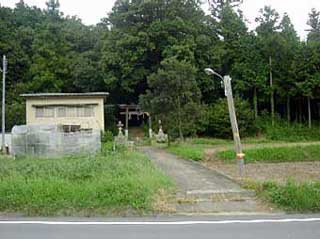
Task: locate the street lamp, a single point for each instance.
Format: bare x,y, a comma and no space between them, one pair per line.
233,119
4,71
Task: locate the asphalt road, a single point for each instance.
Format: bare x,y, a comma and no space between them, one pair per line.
185,228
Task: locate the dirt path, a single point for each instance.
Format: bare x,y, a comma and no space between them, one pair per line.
200,190
279,172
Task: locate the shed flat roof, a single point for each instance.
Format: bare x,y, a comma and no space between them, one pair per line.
48,95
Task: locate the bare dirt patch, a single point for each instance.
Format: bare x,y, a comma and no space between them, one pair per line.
261,172
278,172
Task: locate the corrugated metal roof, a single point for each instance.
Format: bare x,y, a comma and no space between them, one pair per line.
46,95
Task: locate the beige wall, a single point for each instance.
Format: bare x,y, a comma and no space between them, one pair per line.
95,122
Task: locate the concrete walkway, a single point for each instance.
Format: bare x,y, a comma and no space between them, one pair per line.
200,190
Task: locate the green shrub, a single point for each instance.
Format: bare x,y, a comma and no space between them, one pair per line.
219,121
209,141
111,118
283,131
187,151
292,196
107,136
276,154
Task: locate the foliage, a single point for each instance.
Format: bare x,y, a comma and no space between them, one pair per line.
174,98
209,141
97,185
107,136
282,131
188,151
276,154
134,44
314,23
219,121
144,33
292,197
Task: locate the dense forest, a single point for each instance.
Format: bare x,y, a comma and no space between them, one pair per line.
155,52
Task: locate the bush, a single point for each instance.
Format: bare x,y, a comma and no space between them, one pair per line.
292,196
187,151
219,121
282,131
111,119
276,154
107,136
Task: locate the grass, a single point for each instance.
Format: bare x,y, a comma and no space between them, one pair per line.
208,141
194,148
214,142
188,151
293,132
106,184
291,197
276,154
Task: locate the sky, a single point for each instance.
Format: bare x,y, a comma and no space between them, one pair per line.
93,10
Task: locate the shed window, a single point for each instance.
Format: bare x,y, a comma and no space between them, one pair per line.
61,112
85,111
71,112
45,112
65,111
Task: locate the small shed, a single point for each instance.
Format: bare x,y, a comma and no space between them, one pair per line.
74,111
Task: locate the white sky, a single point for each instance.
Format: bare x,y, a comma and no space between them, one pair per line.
92,11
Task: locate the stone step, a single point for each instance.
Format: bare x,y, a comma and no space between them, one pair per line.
246,206
216,195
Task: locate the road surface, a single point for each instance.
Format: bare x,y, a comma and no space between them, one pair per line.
306,227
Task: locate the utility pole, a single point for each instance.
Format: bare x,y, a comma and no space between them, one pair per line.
4,71
234,124
233,118
272,92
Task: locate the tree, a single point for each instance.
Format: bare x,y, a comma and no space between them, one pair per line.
287,78
308,81
272,44
219,122
268,21
314,23
250,70
174,97
218,5
144,33
53,7
229,24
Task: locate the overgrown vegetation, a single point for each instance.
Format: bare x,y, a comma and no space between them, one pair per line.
276,154
208,141
291,197
109,183
218,123
282,131
177,103
188,151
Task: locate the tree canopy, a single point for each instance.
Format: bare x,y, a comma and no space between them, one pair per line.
155,52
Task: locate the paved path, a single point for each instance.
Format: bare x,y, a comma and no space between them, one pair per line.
191,177
167,228
202,190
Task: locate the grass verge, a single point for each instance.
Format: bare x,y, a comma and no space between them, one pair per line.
188,151
291,197
110,183
208,141
276,154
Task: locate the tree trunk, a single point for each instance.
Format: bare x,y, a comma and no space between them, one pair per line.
288,109
255,102
309,113
300,111
179,119
272,93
